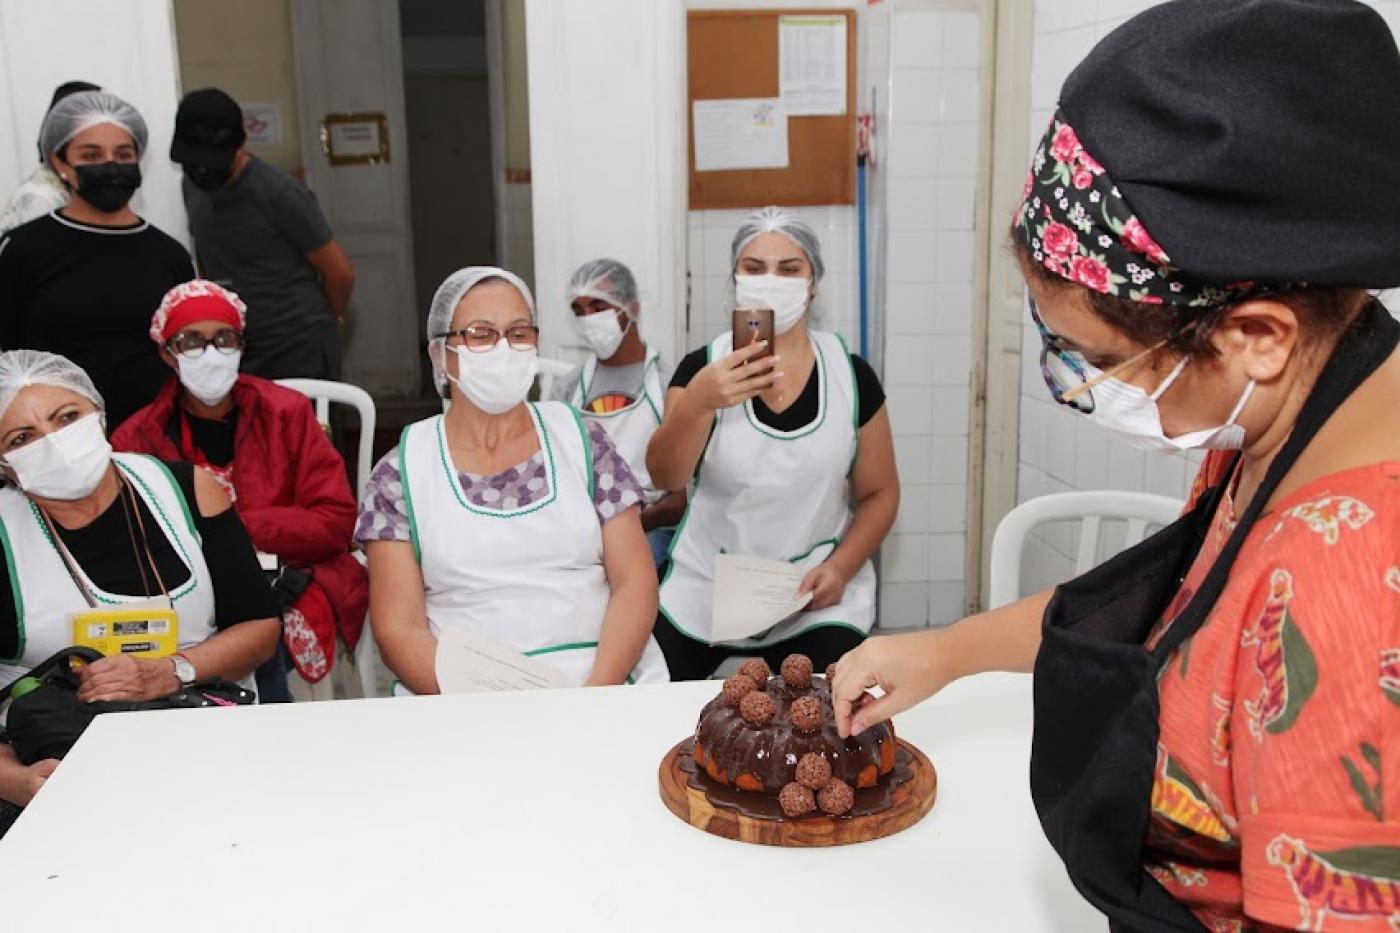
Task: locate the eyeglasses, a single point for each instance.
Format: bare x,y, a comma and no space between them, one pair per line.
479,338
1065,371
190,344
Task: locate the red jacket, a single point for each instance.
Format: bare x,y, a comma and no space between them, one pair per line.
293,492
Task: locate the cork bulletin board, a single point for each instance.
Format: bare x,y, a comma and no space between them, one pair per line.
734,54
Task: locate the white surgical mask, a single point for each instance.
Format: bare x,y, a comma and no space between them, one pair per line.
787,295
65,465
601,331
1131,413
209,376
499,379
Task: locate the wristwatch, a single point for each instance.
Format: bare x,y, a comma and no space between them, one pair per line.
184,670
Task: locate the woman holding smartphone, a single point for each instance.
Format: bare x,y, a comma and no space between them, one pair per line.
786,451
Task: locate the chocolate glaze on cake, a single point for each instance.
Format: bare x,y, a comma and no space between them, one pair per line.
745,766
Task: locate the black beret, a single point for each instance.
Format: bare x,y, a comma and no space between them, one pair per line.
1257,139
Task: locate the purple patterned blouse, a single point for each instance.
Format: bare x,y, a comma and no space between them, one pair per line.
384,515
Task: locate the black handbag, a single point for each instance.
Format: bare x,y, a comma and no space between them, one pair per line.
46,717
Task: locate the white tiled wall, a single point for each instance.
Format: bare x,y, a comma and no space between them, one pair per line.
928,152
1060,451
520,240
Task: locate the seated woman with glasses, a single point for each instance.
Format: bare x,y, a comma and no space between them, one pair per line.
508,520
263,444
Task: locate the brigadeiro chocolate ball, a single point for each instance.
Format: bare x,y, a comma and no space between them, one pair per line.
797,671
735,689
757,671
836,797
813,771
757,708
796,800
806,714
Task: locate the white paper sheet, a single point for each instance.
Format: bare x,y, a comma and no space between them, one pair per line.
812,65
741,133
753,595
468,663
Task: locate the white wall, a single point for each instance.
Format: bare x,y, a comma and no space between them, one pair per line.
126,46
1059,450
929,160
607,154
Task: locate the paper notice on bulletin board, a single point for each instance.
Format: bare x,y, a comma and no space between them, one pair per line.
263,123
742,133
812,65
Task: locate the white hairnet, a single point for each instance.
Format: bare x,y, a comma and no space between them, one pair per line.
779,220
78,112
605,279
20,369
450,294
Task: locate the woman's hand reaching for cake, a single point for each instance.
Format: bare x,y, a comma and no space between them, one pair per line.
911,668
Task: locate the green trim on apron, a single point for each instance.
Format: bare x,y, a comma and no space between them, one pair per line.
587,450
15,590
179,494
855,403
408,495
449,468
167,527
571,646
823,391
834,542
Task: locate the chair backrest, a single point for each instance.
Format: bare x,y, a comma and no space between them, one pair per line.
1091,509
323,393
549,370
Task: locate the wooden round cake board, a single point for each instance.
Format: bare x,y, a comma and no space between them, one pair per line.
909,802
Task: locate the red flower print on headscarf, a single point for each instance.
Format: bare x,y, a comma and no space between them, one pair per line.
1088,161
1059,241
1137,238
1082,178
1065,146
1090,273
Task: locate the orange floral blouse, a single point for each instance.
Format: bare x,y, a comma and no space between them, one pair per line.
1276,802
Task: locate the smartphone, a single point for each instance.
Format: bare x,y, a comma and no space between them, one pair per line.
752,325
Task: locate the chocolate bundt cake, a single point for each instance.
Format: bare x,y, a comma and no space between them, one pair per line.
774,739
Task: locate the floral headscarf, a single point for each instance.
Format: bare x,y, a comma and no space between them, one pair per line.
1078,225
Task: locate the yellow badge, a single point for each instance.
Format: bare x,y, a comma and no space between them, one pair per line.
143,631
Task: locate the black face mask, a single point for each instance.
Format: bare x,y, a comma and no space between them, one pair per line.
209,178
108,186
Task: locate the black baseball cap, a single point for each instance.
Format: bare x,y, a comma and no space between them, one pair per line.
208,129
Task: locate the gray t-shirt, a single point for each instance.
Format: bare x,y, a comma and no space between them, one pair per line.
253,237
617,386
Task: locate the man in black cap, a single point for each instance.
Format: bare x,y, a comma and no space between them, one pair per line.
260,232
43,191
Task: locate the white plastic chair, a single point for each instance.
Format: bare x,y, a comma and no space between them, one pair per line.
323,393
1091,509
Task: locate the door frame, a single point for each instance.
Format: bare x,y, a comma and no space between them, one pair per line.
998,295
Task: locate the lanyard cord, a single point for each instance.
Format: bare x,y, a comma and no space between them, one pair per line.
70,564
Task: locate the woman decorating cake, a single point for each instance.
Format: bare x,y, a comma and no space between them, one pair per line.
1216,709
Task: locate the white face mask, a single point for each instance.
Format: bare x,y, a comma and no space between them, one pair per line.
601,331
210,376
499,379
67,464
1131,413
787,295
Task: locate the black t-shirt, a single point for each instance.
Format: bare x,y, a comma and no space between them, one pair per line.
88,293
211,437
103,550
869,393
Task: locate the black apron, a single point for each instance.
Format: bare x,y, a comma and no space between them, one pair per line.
1094,749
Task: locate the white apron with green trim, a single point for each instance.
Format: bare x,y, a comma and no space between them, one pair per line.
630,428
46,596
760,492
529,577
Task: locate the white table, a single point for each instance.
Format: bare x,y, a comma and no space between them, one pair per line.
500,812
